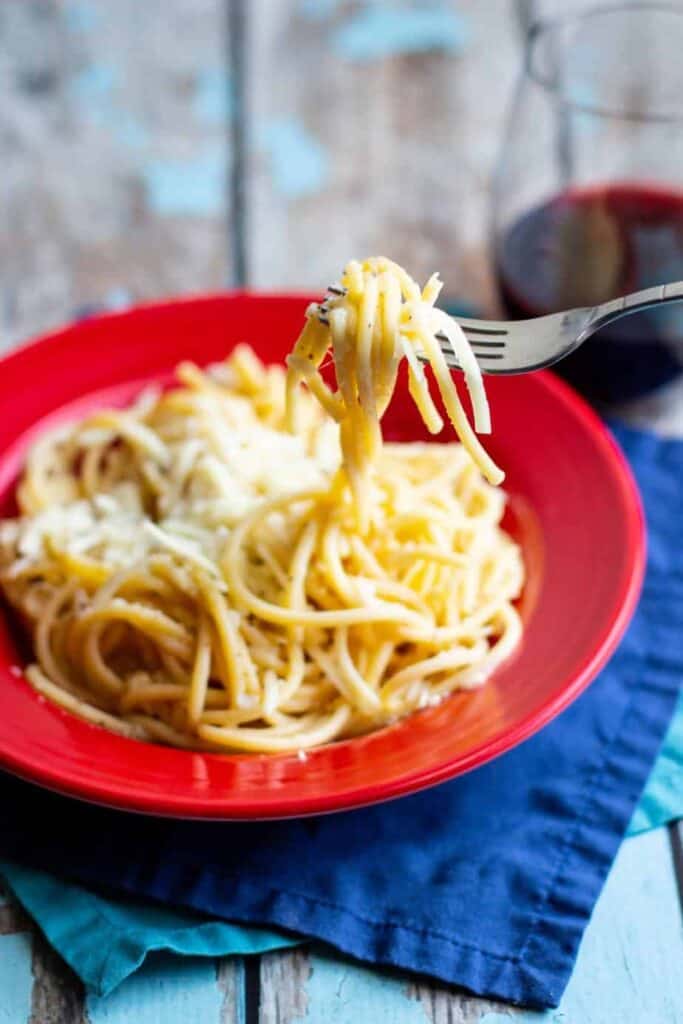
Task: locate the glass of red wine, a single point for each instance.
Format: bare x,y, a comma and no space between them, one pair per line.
588,197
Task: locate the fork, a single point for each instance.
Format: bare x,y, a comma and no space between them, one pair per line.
519,346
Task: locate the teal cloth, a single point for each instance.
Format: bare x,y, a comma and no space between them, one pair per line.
107,939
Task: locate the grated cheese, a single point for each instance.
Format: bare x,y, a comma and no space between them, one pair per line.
206,494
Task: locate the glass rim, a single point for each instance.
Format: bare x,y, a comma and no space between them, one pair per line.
544,27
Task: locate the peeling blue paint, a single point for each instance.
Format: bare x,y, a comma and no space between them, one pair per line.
81,17
194,187
319,10
345,993
94,83
118,298
299,163
16,979
167,988
386,30
127,129
93,89
212,98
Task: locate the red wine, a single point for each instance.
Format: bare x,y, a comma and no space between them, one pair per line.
585,247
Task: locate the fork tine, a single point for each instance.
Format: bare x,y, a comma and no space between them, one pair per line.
486,344
453,364
489,331
475,342
481,327
480,348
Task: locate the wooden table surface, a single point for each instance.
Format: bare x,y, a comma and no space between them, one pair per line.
183,145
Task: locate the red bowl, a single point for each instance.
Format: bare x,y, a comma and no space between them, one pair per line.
573,507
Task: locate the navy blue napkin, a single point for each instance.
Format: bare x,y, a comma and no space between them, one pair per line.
487,881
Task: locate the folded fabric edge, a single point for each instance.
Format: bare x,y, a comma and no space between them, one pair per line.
76,915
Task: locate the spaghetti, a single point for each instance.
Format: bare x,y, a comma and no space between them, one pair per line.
376,316
240,564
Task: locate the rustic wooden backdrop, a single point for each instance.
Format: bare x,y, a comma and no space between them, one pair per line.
181,145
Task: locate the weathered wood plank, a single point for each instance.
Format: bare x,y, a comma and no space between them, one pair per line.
57,994
629,964
15,979
13,919
230,978
173,990
284,980
391,155
676,843
442,1005
315,987
114,150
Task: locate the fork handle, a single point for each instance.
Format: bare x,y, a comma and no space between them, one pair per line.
606,312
